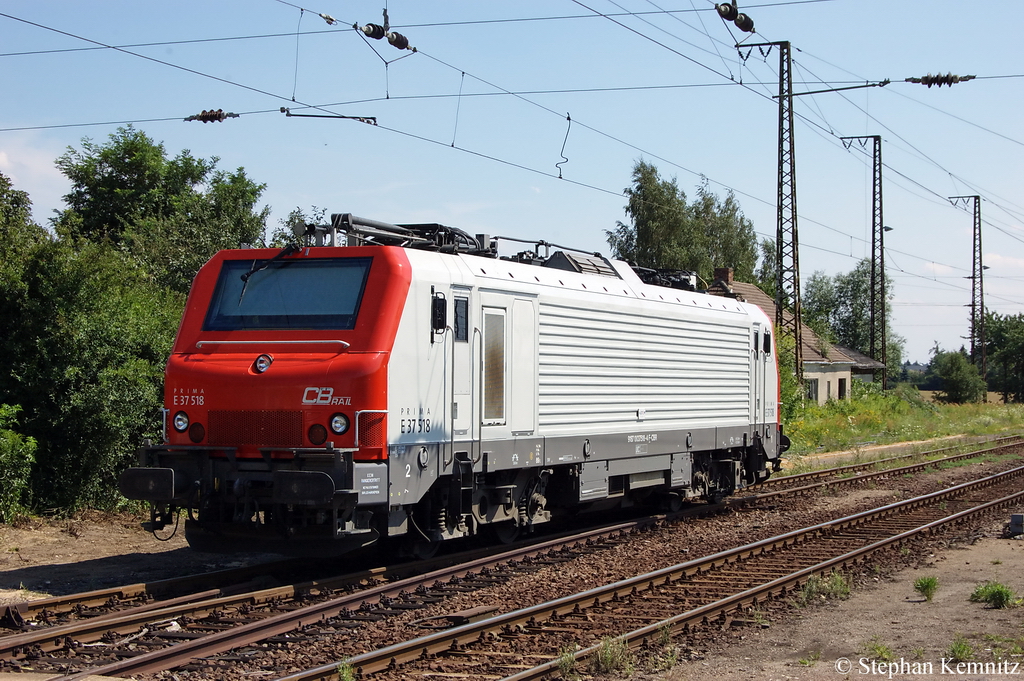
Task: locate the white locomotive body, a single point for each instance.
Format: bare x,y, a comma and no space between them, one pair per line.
573,389
414,386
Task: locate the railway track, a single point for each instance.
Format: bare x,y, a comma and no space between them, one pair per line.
129,643
646,608
218,624
848,476
882,465
222,583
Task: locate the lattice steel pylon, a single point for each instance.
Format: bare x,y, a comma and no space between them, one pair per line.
787,244
877,295
977,289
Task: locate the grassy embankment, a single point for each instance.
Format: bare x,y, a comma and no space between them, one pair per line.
900,415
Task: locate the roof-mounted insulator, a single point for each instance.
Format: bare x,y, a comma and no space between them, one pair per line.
939,80
212,116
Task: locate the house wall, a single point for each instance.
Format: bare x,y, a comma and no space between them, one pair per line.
832,381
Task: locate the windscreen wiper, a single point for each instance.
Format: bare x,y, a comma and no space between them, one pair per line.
285,252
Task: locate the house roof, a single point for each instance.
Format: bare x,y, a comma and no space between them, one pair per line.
861,361
814,349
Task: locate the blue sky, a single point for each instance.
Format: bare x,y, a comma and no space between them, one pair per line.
453,146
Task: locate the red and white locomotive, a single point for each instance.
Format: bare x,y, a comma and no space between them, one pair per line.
413,385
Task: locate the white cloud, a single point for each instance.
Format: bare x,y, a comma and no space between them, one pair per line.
28,160
1003,264
937,269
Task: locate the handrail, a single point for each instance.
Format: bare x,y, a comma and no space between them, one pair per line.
199,344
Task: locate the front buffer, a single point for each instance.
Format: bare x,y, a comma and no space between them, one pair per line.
298,501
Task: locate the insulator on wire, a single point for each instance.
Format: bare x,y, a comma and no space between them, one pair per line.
373,31
212,116
939,80
727,11
331,21
398,40
744,23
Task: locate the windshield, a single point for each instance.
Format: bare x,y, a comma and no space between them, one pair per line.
288,294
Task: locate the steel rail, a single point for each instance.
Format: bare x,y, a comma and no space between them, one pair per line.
888,472
172,656
395,655
773,589
205,582
849,468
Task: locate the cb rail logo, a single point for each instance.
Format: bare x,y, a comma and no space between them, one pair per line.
315,395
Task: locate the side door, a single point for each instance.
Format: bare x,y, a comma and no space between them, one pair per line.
760,338
463,372
508,371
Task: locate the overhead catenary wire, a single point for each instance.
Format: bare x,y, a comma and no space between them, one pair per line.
324,108
611,137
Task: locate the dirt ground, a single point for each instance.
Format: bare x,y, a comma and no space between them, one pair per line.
40,558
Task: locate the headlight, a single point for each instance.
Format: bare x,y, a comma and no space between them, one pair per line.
339,424
181,422
262,363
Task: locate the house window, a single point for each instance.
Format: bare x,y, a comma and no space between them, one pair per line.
812,389
842,388
828,390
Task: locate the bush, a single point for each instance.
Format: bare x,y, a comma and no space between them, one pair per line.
87,346
612,656
960,650
994,594
961,381
17,453
926,586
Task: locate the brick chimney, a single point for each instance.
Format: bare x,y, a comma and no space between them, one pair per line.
724,275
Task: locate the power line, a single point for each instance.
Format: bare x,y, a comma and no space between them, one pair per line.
523,98
148,58
102,46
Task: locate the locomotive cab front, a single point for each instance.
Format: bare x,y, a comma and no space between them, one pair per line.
275,400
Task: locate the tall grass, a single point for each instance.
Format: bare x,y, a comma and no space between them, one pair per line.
899,415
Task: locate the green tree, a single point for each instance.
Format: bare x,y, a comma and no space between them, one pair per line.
730,238
961,382
669,233
169,214
659,211
768,268
91,312
838,308
17,453
1004,349
790,392
89,342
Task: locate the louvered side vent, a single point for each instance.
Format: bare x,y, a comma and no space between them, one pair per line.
371,429
261,428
